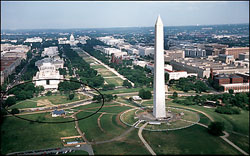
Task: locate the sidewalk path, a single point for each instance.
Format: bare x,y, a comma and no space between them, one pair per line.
144,141
110,69
224,137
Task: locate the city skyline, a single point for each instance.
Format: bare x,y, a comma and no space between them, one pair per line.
70,15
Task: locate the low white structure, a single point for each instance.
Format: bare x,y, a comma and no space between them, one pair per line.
56,61
110,40
166,67
176,75
140,63
9,50
136,98
237,87
133,51
146,51
116,52
50,51
57,113
34,39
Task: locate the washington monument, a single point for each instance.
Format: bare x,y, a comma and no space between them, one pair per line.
159,73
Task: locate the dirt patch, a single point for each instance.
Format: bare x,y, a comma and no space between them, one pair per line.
118,121
44,102
99,123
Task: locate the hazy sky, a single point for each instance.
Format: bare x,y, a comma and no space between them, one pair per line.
33,15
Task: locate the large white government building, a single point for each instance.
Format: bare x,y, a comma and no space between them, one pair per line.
49,69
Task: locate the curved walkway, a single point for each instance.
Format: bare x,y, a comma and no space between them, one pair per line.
115,138
99,123
224,137
144,141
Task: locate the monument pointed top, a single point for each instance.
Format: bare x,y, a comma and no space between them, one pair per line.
158,21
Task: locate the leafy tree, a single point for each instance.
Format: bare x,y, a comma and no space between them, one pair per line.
49,93
145,94
14,111
126,84
71,96
62,71
175,94
227,110
166,77
21,95
216,128
108,87
11,101
107,98
231,91
29,55
3,87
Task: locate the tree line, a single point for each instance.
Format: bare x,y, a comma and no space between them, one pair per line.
135,74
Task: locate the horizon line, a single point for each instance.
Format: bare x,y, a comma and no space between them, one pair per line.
121,27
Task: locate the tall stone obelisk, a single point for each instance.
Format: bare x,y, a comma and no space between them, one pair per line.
159,73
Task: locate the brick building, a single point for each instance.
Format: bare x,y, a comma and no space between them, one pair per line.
236,79
235,51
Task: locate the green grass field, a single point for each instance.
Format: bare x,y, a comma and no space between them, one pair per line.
192,140
116,81
98,66
54,99
238,122
24,104
128,117
130,145
124,90
90,125
240,141
20,135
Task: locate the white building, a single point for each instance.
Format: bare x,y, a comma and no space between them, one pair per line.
116,52
176,75
48,69
34,39
50,51
56,61
62,40
57,113
140,63
236,87
83,39
146,51
110,40
133,51
166,67
72,41
195,52
46,72
8,50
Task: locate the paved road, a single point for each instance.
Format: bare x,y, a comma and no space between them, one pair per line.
51,109
144,141
50,151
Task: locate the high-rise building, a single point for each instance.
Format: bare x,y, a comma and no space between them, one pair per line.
159,80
